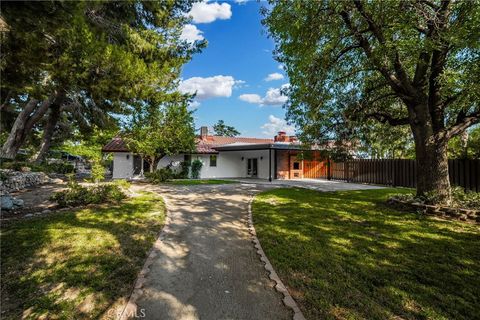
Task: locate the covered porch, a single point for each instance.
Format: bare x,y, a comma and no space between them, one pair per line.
285,161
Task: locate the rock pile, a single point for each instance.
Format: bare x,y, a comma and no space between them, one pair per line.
17,180
11,180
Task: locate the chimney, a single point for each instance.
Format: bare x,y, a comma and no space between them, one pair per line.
280,137
204,133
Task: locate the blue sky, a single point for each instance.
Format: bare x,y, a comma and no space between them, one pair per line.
230,75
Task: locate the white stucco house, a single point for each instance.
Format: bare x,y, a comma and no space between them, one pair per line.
229,157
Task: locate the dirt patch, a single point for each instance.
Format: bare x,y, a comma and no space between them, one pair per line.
35,199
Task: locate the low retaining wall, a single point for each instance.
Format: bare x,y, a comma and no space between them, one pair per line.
17,180
456,213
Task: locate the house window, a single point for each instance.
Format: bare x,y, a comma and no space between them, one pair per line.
213,160
187,158
296,166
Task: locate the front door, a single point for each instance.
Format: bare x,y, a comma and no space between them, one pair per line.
252,167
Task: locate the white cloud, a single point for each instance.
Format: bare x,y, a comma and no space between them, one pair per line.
190,33
281,67
241,1
193,105
273,97
251,98
210,87
275,124
274,76
206,12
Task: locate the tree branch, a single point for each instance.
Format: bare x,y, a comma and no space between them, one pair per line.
378,33
392,80
387,118
463,122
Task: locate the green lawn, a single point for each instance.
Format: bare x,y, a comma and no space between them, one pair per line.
191,182
347,255
72,265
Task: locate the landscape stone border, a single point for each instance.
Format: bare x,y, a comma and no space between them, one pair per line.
280,287
440,211
129,310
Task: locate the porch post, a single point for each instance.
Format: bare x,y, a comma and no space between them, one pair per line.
270,164
275,164
141,166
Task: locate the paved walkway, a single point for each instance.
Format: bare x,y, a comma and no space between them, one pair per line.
206,266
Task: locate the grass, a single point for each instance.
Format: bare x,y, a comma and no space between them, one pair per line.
347,255
191,182
76,264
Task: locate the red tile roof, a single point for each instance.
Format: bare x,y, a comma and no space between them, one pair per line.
115,145
204,145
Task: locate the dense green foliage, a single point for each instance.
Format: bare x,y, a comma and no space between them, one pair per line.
221,129
77,264
460,198
77,65
466,146
156,131
77,195
54,167
196,167
348,255
160,175
166,174
401,63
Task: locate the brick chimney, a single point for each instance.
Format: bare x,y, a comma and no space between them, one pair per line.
204,133
280,137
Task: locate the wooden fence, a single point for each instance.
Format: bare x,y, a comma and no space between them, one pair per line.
401,172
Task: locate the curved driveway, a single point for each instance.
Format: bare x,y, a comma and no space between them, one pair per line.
206,267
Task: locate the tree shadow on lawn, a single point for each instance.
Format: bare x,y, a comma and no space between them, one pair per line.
348,255
76,264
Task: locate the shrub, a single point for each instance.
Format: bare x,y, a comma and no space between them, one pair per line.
469,199
77,195
160,175
98,171
196,167
184,171
57,167
460,198
122,183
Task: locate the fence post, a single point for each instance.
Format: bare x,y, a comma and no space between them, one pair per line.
328,169
393,172
346,174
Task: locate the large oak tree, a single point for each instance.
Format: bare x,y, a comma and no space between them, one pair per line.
414,63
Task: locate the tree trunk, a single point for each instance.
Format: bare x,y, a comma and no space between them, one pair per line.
26,119
432,164
17,134
48,131
153,164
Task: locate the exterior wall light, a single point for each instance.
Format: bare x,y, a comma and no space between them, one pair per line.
243,158
261,158
128,156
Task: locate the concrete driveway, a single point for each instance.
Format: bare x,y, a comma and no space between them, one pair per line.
314,184
206,266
